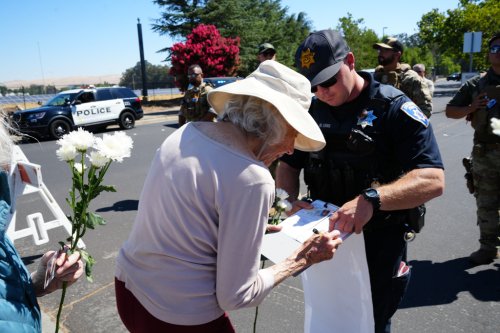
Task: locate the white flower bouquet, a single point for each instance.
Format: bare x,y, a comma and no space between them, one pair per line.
78,149
280,205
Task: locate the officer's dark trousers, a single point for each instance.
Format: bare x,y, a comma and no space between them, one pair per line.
385,249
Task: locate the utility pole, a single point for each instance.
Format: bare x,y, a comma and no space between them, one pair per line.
143,63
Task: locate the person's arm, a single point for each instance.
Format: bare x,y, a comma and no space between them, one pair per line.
457,112
314,250
242,219
67,270
413,189
287,178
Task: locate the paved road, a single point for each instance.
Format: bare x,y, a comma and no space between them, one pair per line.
446,294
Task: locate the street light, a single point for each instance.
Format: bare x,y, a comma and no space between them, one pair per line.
383,32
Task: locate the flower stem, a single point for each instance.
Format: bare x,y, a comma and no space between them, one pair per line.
61,302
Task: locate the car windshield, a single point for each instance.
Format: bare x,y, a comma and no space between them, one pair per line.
61,99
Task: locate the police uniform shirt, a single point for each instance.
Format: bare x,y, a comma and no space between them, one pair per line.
404,135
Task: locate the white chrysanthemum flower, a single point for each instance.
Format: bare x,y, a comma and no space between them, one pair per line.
495,125
284,205
78,167
81,139
281,194
67,152
115,147
97,159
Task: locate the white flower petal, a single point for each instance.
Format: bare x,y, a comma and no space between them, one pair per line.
97,159
81,139
281,194
495,125
67,152
115,147
78,167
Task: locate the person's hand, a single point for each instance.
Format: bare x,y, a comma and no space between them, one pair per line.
320,247
270,228
352,216
298,205
68,269
479,102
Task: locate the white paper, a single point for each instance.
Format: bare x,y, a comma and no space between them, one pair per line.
337,292
297,229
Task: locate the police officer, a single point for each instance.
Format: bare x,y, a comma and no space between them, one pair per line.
478,100
400,75
381,161
194,104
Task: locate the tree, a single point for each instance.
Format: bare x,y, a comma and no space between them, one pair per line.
216,55
360,40
444,32
157,76
180,16
253,21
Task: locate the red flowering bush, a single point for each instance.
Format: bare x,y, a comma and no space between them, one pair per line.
216,55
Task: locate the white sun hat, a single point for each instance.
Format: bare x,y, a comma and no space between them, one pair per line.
287,90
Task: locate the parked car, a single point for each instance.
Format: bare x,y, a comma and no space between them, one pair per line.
94,108
220,81
454,77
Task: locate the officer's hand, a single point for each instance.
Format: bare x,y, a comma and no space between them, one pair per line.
352,216
298,205
479,102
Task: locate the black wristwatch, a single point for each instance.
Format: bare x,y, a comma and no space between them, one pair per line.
372,196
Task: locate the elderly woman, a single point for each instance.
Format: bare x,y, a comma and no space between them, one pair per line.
194,249
19,310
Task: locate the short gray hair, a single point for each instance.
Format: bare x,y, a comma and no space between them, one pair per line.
419,68
256,117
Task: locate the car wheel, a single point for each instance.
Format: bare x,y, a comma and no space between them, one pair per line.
127,120
59,127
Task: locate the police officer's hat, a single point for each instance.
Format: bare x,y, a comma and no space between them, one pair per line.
390,43
320,55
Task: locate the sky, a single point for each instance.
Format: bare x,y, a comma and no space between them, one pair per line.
45,39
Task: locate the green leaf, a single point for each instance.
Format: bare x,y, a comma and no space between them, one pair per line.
94,219
89,264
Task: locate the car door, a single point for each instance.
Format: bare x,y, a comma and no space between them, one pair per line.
90,107
111,107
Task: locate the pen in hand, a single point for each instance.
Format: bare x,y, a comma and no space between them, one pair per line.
316,231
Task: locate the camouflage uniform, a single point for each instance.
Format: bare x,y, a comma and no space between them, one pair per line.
194,104
409,82
485,159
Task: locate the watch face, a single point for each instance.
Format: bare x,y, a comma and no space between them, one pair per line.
372,195
371,192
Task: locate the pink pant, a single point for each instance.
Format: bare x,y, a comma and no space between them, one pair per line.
137,319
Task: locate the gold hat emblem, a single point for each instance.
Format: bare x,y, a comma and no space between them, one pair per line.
307,58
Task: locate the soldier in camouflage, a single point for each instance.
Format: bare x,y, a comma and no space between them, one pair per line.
400,75
194,104
479,100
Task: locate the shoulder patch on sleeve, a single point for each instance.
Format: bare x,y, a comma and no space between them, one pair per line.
412,110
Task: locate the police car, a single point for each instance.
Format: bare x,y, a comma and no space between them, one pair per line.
93,108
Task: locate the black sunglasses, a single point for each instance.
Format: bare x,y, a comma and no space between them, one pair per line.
495,49
327,84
